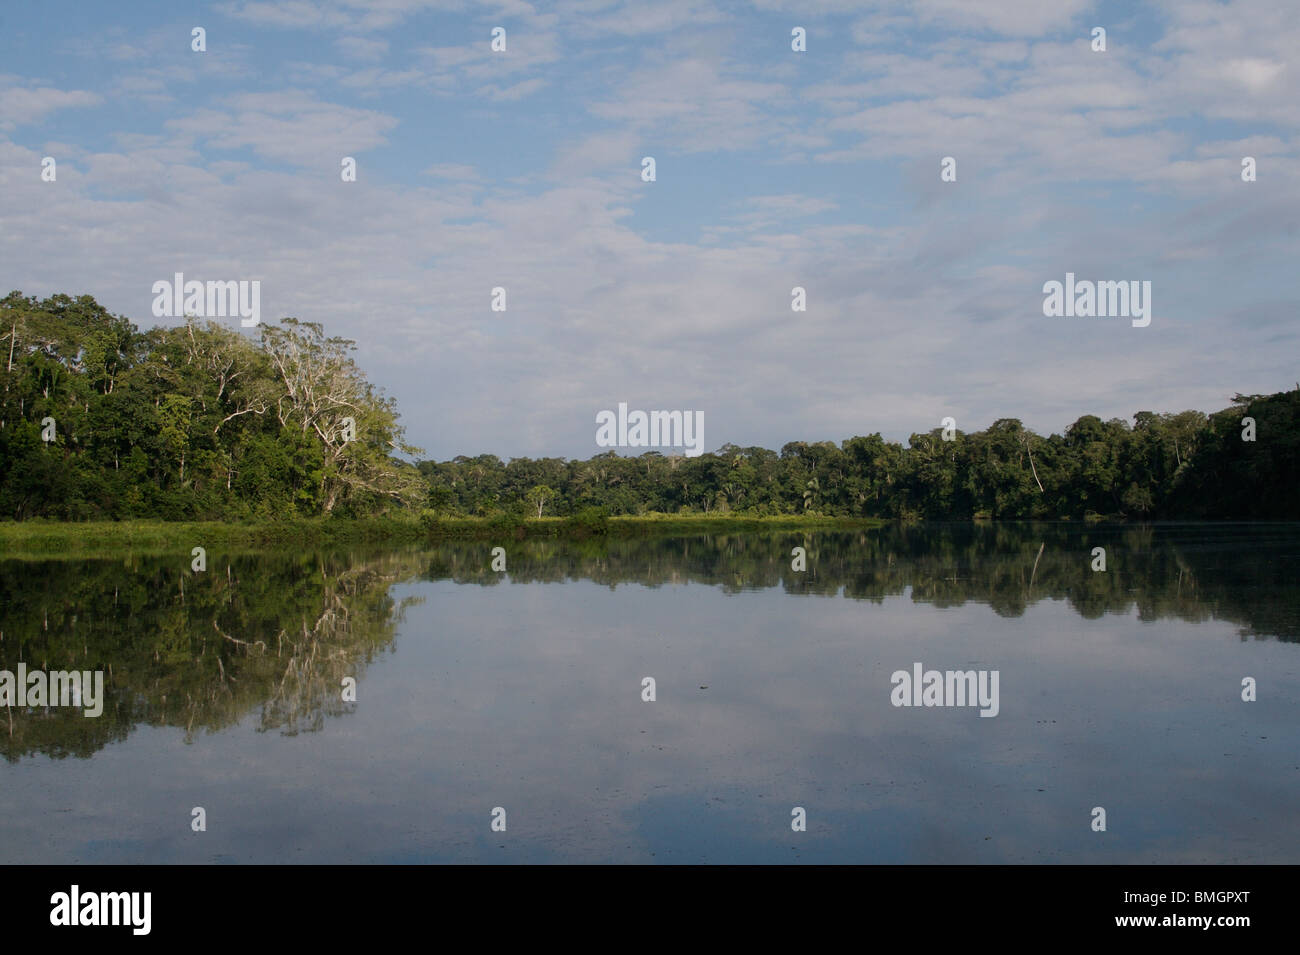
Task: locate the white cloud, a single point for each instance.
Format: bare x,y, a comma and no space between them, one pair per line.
923,297
21,104
289,126
361,48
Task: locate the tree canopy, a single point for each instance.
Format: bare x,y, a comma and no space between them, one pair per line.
101,421
1165,466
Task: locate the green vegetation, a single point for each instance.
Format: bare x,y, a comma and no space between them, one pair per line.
74,540
101,422
1165,466
199,423
65,539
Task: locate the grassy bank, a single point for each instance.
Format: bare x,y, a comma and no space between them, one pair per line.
55,538
42,538
731,524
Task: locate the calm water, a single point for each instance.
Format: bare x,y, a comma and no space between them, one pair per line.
523,690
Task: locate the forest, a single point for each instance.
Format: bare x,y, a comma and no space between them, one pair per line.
100,421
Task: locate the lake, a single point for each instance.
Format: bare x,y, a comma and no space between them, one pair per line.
519,697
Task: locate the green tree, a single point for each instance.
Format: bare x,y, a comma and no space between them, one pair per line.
539,496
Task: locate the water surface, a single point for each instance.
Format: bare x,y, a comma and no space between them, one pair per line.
523,690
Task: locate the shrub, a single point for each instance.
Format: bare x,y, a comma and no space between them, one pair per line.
589,521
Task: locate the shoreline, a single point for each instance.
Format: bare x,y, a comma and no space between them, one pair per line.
54,538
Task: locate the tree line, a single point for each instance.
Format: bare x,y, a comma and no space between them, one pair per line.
1186,465
99,421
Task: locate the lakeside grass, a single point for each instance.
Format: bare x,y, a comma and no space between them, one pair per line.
55,539
655,523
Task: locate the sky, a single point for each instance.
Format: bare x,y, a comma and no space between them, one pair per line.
522,169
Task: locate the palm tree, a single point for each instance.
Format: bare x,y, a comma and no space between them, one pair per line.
812,488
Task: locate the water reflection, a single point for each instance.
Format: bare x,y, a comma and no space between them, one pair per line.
1248,574
275,634
272,635
523,690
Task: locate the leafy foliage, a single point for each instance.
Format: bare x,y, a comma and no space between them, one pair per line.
1184,465
196,422
203,423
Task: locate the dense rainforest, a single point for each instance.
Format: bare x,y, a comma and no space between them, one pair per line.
99,421
1165,466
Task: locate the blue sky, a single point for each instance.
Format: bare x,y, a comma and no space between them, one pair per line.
820,169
